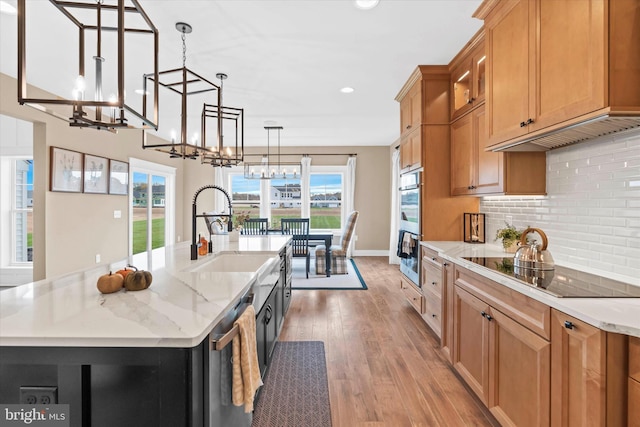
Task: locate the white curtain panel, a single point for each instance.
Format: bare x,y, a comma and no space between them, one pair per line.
221,179
349,196
305,176
395,207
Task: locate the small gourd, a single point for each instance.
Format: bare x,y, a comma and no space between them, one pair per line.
110,283
138,280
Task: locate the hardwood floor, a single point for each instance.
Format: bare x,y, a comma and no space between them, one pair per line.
384,363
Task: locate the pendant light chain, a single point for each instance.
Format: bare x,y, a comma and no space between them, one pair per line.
184,49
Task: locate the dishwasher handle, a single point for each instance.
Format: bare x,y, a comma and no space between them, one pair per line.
218,344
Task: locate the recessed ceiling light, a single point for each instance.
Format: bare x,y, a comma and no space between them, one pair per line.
366,4
347,89
7,8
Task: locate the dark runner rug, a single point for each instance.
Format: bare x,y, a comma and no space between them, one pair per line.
296,390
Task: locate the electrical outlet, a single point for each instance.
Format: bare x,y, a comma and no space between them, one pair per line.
97,258
38,395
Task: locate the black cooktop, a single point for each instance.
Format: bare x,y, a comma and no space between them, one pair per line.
562,281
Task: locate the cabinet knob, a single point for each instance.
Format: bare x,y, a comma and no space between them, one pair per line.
408,126
568,325
445,264
470,101
529,121
489,318
522,124
483,314
434,259
433,315
434,283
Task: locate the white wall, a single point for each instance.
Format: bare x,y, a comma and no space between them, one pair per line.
591,213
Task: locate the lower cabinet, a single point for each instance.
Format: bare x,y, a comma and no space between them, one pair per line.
413,294
536,366
588,385
267,328
503,362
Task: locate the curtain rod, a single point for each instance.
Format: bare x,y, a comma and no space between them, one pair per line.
302,154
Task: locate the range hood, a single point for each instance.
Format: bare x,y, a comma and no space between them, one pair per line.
556,137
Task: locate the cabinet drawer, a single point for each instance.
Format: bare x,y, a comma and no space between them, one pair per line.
526,311
634,358
433,312
432,279
413,295
430,257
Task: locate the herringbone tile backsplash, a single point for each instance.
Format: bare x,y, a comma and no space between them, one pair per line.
591,213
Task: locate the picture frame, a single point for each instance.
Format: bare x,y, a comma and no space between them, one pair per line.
96,174
118,177
66,170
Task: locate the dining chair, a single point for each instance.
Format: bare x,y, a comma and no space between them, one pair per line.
255,226
299,229
338,252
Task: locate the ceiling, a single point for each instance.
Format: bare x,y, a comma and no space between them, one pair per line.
287,60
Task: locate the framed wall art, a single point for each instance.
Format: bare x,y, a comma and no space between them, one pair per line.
96,174
118,177
65,173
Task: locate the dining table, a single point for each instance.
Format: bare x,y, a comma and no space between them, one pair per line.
326,238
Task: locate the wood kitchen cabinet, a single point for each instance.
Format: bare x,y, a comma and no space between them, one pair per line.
432,284
552,63
446,339
588,380
430,141
468,76
504,358
475,171
411,150
413,294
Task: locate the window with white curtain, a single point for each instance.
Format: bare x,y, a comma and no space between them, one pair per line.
22,211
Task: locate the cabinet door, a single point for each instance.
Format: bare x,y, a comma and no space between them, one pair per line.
478,65
462,94
571,60
415,140
508,41
416,105
462,156
519,373
634,398
261,340
490,165
471,332
578,367
405,153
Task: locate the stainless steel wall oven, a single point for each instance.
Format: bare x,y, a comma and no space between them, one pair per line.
409,236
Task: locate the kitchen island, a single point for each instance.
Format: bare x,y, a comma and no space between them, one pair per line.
132,358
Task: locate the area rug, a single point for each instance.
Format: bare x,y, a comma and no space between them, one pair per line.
351,281
296,390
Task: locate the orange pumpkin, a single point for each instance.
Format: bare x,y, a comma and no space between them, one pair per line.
110,283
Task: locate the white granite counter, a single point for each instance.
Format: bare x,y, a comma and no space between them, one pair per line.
179,309
621,315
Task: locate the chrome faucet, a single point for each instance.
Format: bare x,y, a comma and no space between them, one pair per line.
194,216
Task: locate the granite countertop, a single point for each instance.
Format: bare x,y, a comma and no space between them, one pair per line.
621,315
179,309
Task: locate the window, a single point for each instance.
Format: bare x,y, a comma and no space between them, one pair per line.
152,206
245,196
22,212
326,191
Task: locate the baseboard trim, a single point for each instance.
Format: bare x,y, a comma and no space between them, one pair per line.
371,253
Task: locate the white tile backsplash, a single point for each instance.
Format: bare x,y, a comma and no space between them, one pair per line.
591,213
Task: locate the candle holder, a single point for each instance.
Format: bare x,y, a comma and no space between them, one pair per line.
474,228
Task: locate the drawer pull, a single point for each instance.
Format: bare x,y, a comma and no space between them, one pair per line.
568,325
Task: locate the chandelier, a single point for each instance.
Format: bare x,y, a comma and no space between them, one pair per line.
228,120
101,24
268,170
185,132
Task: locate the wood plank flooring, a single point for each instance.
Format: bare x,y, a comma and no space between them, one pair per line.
384,363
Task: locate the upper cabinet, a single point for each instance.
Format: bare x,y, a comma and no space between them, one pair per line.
553,64
468,77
